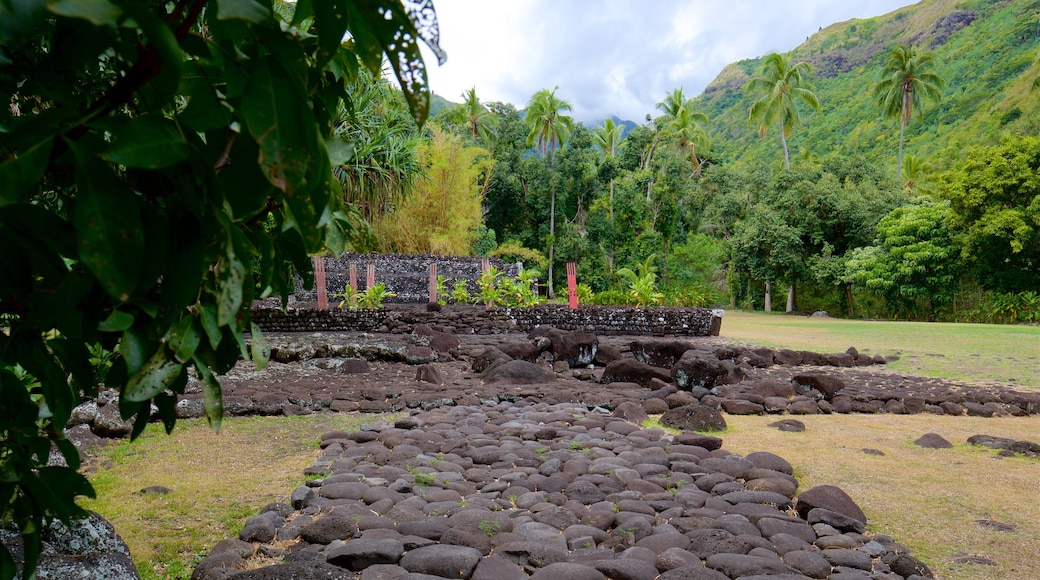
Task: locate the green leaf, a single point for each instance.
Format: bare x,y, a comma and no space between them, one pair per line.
277,113
212,398
97,12
259,348
230,277
108,226
118,321
248,10
184,339
208,315
153,378
149,142
21,173
167,405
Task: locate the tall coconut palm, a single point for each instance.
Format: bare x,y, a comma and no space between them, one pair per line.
548,130
671,104
680,120
478,118
918,173
690,129
778,88
907,79
608,137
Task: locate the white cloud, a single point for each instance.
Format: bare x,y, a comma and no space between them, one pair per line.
617,57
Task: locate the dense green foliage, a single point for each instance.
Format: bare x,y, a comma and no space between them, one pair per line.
984,50
152,153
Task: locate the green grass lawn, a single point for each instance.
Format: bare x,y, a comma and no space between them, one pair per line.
969,352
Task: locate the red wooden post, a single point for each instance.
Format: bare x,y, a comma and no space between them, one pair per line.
572,285
319,282
371,276
353,285
433,283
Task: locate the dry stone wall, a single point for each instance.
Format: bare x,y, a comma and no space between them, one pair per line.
407,275
400,319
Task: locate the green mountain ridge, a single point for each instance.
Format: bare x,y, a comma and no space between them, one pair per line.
985,50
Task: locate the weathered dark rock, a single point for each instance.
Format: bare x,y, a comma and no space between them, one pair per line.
335,525
933,441
296,571
830,498
789,425
743,565
828,385
696,368
632,412
694,418
632,371
354,366
88,548
518,372
442,560
659,352
577,348
360,553
428,373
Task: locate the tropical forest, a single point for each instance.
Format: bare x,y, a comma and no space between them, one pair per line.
888,167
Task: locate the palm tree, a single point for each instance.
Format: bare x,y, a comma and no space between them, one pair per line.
548,130
608,138
672,103
917,171
777,88
906,80
690,129
477,117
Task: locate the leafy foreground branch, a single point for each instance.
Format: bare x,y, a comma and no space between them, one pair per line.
154,155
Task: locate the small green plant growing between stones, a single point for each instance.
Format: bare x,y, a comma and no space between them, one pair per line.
627,534
374,296
490,289
584,292
423,479
460,294
541,450
489,527
348,297
642,287
574,445
442,290
512,498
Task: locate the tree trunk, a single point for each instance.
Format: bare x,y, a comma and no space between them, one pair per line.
664,278
769,298
899,159
848,299
552,235
792,303
783,141
611,198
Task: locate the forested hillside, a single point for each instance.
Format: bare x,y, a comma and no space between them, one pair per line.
927,207
985,50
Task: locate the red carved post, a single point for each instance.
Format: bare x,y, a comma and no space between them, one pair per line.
319,282
371,276
572,285
353,285
433,283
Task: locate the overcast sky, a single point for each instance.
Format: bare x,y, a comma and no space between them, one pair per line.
617,57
